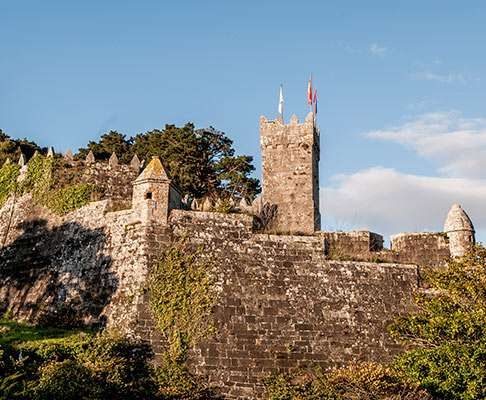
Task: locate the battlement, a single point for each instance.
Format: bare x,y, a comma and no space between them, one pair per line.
275,133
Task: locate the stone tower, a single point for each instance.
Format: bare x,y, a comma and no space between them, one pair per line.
459,230
154,195
290,172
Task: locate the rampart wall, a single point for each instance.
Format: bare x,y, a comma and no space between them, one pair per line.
92,259
282,304
282,301
425,249
117,179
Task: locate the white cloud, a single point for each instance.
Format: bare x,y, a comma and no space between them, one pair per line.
386,201
430,76
456,144
380,51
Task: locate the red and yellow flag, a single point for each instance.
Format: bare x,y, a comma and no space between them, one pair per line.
309,92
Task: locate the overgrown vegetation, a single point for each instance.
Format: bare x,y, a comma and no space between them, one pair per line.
61,317
202,162
42,182
39,363
8,180
13,148
364,381
446,339
180,301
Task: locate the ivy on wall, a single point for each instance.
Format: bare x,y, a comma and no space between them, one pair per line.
181,301
41,181
8,180
181,297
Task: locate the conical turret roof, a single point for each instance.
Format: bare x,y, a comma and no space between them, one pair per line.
457,220
154,170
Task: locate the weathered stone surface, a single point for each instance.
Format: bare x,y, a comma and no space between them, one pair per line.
256,206
154,195
135,163
118,181
460,231
290,173
424,249
22,160
50,152
457,220
91,262
207,205
68,157
113,161
243,205
90,158
279,292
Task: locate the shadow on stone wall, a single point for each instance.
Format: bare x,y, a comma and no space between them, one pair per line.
47,267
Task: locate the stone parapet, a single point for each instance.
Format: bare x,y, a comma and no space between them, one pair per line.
424,249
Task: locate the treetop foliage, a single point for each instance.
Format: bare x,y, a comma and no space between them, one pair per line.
202,162
446,338
13,148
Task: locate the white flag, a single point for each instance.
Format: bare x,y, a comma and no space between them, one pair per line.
280,103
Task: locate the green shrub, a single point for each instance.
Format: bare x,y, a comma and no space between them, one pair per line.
62,317
175,381
43,181
67,380
63,201
364,381
181,298
446,338
8,180
75,365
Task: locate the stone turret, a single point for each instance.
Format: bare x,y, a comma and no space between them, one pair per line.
290,172
459,230
154,194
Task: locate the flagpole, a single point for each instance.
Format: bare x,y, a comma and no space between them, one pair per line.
312,108
310,96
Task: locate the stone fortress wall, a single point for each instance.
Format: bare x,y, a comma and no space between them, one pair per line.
283,300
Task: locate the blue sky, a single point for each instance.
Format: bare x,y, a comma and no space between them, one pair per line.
401,89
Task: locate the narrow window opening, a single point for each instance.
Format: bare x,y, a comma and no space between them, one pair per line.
148,195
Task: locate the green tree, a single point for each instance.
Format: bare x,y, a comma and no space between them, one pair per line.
109,143
202,162
12,148
446,338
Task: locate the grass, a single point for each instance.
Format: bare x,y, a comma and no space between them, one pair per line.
12,332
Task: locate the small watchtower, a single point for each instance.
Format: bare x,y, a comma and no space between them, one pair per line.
290,172
154,194
459,230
